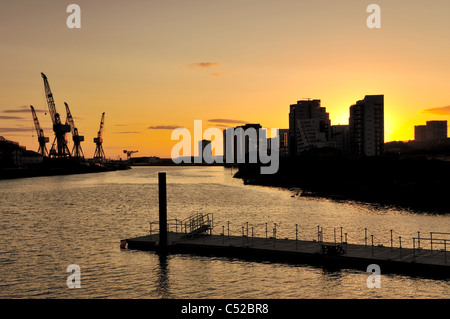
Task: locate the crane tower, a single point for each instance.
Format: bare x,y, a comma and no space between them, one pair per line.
40,133
59,147
99,154
77,152
129,153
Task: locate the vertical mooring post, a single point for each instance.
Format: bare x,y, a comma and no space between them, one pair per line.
162,209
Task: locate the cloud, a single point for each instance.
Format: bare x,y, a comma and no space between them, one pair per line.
22,109
15,129
11,117
163,127
445,110
217,74
228,121
203,65
127,132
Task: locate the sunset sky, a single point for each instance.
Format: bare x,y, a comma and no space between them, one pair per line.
153,65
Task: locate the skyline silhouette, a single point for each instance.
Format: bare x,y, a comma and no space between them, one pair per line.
155,66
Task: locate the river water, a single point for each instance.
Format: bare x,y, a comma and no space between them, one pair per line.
49,223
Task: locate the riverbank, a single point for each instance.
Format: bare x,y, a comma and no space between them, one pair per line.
53,167
414,183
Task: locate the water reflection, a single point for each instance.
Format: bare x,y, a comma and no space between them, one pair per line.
162,283
82,218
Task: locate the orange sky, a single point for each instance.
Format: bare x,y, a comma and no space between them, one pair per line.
159,64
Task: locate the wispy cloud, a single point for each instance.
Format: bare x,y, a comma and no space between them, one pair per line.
22,109
130,124
203,65
228,121
2,117
163,127
15,129
217,74
445,110
127,132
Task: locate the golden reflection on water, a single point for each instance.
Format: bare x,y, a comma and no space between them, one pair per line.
48,223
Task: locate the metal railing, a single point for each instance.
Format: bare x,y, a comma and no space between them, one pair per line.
200,224
195,224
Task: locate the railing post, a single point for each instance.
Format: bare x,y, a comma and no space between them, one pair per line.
211,226
274,234
445,250
341,234
414,248
228,226
275,231
418,240
365,237
266,230
318,233
400,240
431,241
252,234
372,244
334,229
247,229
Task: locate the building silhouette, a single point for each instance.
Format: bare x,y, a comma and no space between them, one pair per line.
309,127
14,155
432,131
340,135
205,151
283,142
240,148
366,126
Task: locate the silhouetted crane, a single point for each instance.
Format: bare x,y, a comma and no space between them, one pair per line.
129,153
99,154
59,147
77,152
40,133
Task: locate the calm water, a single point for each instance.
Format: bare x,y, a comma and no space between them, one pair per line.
48,223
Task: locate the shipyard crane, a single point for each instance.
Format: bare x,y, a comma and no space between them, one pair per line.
99,154
77,152
40,133
59,147
129,153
